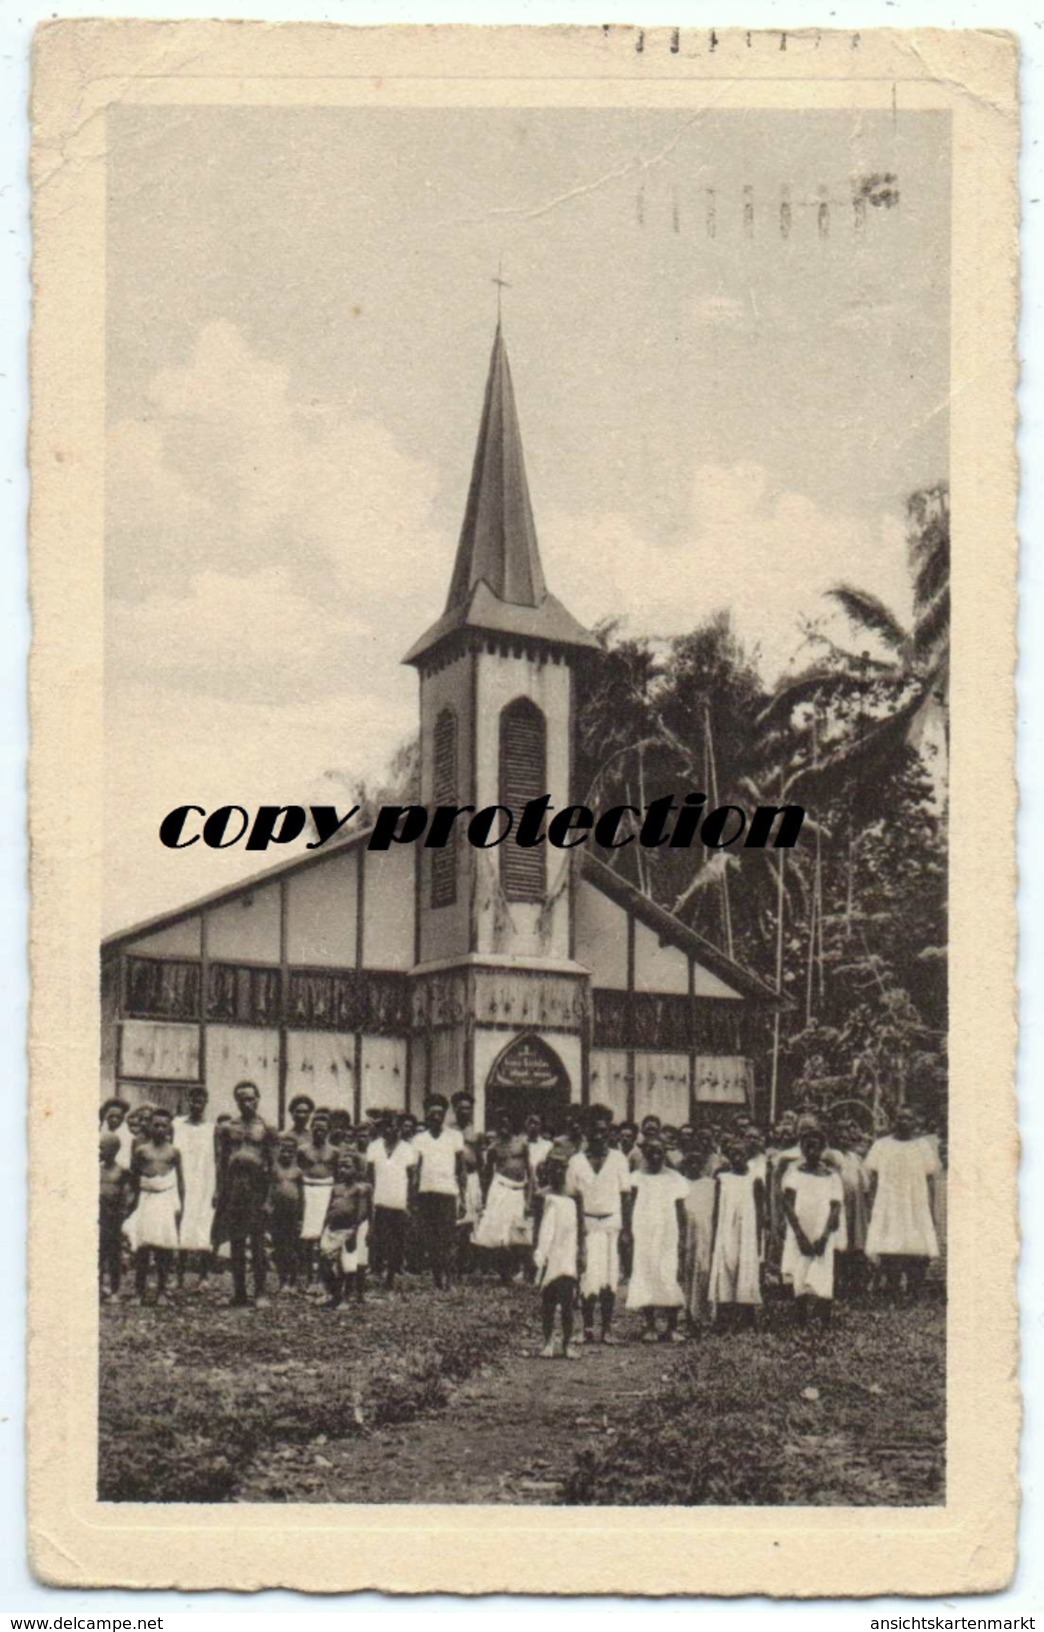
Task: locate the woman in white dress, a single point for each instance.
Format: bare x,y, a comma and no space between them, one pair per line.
813,1201
194,1138
658,1228
735,1275
902,1236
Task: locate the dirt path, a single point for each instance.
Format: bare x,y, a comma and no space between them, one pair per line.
509,1434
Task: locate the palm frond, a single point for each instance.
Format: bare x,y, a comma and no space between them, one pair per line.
863,758
869,612
932,627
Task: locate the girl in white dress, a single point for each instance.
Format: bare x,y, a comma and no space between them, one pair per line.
901,1236
813,1199
556,1257
194,1138
735,1280
658,1227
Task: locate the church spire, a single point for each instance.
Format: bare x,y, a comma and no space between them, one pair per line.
498,543
498,583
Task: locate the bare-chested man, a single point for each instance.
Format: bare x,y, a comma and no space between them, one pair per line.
316,1158
156,1172
506,1177
245,1145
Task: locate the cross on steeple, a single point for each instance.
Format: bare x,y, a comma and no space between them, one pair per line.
501,283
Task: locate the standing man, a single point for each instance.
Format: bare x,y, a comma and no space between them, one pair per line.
601,1181
244,1167
316,1157
194,1138
392,1174
440,1188
463,1119
500,1229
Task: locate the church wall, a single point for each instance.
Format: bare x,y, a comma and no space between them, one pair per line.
661,1087
609,1080
243,1054
548,684
445,931
159,1050
658,968
245,929
388,907
176,941
447,1063
383,1073
708,985
321,1064
321,912
601,938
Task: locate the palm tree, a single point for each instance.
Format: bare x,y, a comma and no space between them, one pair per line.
887,699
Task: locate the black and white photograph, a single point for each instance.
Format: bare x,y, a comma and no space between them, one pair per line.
524,992
478,487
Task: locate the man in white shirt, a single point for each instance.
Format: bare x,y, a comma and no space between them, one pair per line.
601,1180
440,1187
392,1173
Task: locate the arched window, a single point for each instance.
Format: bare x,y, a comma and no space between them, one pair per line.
523,776
444,788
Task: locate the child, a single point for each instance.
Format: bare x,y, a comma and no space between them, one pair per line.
813,1197
156,1169
556,1256
600,1180
285,1207
658,1227
735,1281
343,1255
115,1182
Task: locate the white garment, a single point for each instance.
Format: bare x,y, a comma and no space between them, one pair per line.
600,1192
504,1212
814,1194
333,1244
537,1152
654,1275
556,1248
195,1141
317,1194
157,1212
438,1159
391,1173
901,1218
126,1150
602,1254
734,1274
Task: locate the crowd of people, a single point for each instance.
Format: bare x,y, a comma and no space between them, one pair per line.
703,1223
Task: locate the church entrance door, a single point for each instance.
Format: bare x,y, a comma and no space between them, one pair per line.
528,1077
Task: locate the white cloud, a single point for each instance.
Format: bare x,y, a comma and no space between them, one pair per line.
169,747
759,550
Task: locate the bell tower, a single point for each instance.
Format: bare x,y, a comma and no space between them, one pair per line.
496,706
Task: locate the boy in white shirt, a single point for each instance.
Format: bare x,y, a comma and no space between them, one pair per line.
601,1179
392,1165
440,1187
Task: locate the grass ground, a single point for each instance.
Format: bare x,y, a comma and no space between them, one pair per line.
434,1397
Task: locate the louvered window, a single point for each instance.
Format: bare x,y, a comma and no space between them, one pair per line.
523,772
444,787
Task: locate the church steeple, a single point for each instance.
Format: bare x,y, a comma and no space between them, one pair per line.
498,583
498,544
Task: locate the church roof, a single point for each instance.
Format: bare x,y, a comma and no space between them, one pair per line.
498,581
674,932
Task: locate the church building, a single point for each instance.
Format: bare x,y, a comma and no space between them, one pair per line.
533,977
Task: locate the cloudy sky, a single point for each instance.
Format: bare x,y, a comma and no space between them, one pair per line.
300,316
